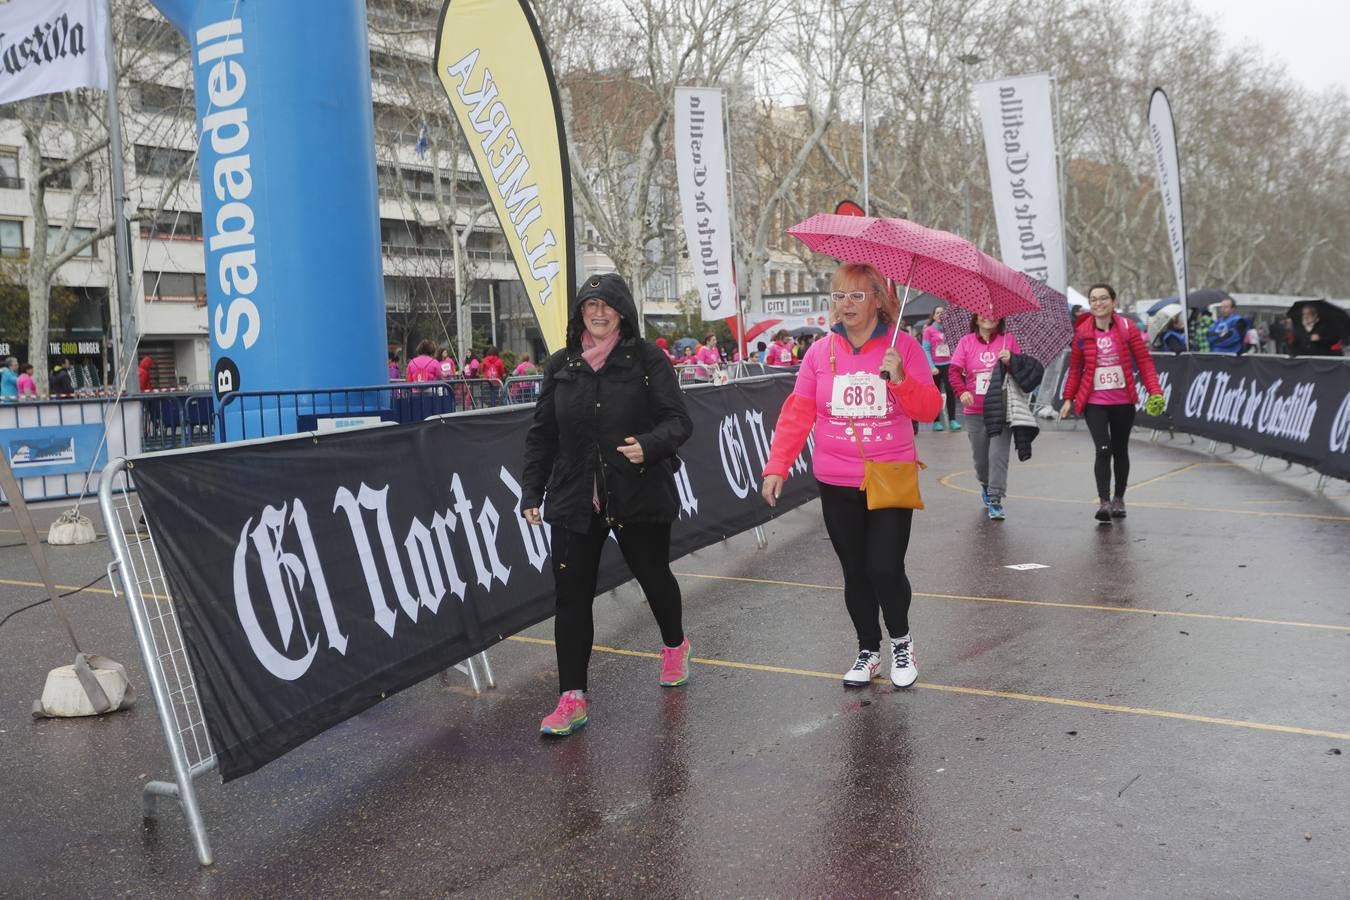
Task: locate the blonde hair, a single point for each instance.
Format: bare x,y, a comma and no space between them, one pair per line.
850,275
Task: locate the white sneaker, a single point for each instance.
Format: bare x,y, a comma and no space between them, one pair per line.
903,671
864,669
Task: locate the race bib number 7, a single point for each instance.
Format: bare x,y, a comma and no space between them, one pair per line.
858,395
982,382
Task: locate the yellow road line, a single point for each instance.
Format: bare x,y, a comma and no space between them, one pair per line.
982,692
1164,476
1092,606
945,481
59,587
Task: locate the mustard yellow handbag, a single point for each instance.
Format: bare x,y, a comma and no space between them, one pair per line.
890,485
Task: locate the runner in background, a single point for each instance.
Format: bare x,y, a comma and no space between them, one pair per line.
939,359
839,393
972,367
423,366
1100,388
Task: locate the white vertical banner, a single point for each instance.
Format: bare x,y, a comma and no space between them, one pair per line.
1019,141
701,167
49,46
1162,135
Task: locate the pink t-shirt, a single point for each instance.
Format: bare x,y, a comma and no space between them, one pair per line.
424,368
973,363
27,386
708,356
887,438
937,344
1113,368
780,354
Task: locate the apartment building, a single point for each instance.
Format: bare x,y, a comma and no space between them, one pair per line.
429,191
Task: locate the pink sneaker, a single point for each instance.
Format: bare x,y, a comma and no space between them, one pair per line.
570,714
675,664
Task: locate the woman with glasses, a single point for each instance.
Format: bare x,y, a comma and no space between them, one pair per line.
609,420
1105,351
971,371
855,414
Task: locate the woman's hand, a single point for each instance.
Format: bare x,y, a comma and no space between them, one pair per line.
967,398
532,516
891,363
1064,410
935,371
1004,355
631,450
772,489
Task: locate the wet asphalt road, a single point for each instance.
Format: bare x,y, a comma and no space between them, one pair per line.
1113,725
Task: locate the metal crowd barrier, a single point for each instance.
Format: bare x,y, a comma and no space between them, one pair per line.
137,568
244,415
522,389
177,420
51,444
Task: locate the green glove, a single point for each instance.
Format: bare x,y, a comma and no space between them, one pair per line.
1154,405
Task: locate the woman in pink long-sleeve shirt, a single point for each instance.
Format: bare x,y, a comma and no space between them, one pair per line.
970,373
854,413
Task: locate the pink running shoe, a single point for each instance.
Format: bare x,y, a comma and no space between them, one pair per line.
675,664
570,714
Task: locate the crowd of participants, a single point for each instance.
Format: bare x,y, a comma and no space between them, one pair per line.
861,389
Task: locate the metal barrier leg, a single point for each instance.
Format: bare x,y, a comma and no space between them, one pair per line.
1153,436
761,539
1261,463
1321,484
1213,445
468,668
487,669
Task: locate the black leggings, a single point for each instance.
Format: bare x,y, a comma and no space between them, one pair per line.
871,544
1110,427
576,565
945,385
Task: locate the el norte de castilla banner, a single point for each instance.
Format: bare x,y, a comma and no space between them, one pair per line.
49,46
1019,141
1162,135
492,63
316,575
701,169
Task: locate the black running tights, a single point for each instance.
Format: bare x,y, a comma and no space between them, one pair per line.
871,545
576,566
1110,427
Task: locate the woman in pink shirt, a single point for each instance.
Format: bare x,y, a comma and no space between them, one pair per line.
27,386
940,357
970,372
855,414
423,366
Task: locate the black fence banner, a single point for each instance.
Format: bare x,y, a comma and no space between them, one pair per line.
1293,409
315,575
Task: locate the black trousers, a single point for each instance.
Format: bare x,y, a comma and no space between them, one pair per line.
1110,428
871,545
576,566
945,385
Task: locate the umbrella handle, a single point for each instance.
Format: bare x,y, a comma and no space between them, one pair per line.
886,376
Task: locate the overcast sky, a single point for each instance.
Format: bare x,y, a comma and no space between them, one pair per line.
1311,37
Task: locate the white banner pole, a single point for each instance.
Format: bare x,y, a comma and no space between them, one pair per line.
1163,138
1019,140
701,170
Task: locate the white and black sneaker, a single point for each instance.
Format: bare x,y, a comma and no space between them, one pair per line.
864,668
903,670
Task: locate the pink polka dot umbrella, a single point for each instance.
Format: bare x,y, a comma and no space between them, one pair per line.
939,262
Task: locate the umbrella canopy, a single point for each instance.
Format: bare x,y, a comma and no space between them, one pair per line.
805,330
1337,318
1206,297
1160,314
683,342
938,262
1042,333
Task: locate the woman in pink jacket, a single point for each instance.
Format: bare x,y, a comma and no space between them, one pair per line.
970,372
854,413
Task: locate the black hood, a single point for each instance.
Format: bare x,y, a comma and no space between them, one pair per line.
612,289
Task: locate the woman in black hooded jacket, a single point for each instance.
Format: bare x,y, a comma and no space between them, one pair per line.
609,420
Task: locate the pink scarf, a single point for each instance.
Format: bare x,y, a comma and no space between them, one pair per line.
595,353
